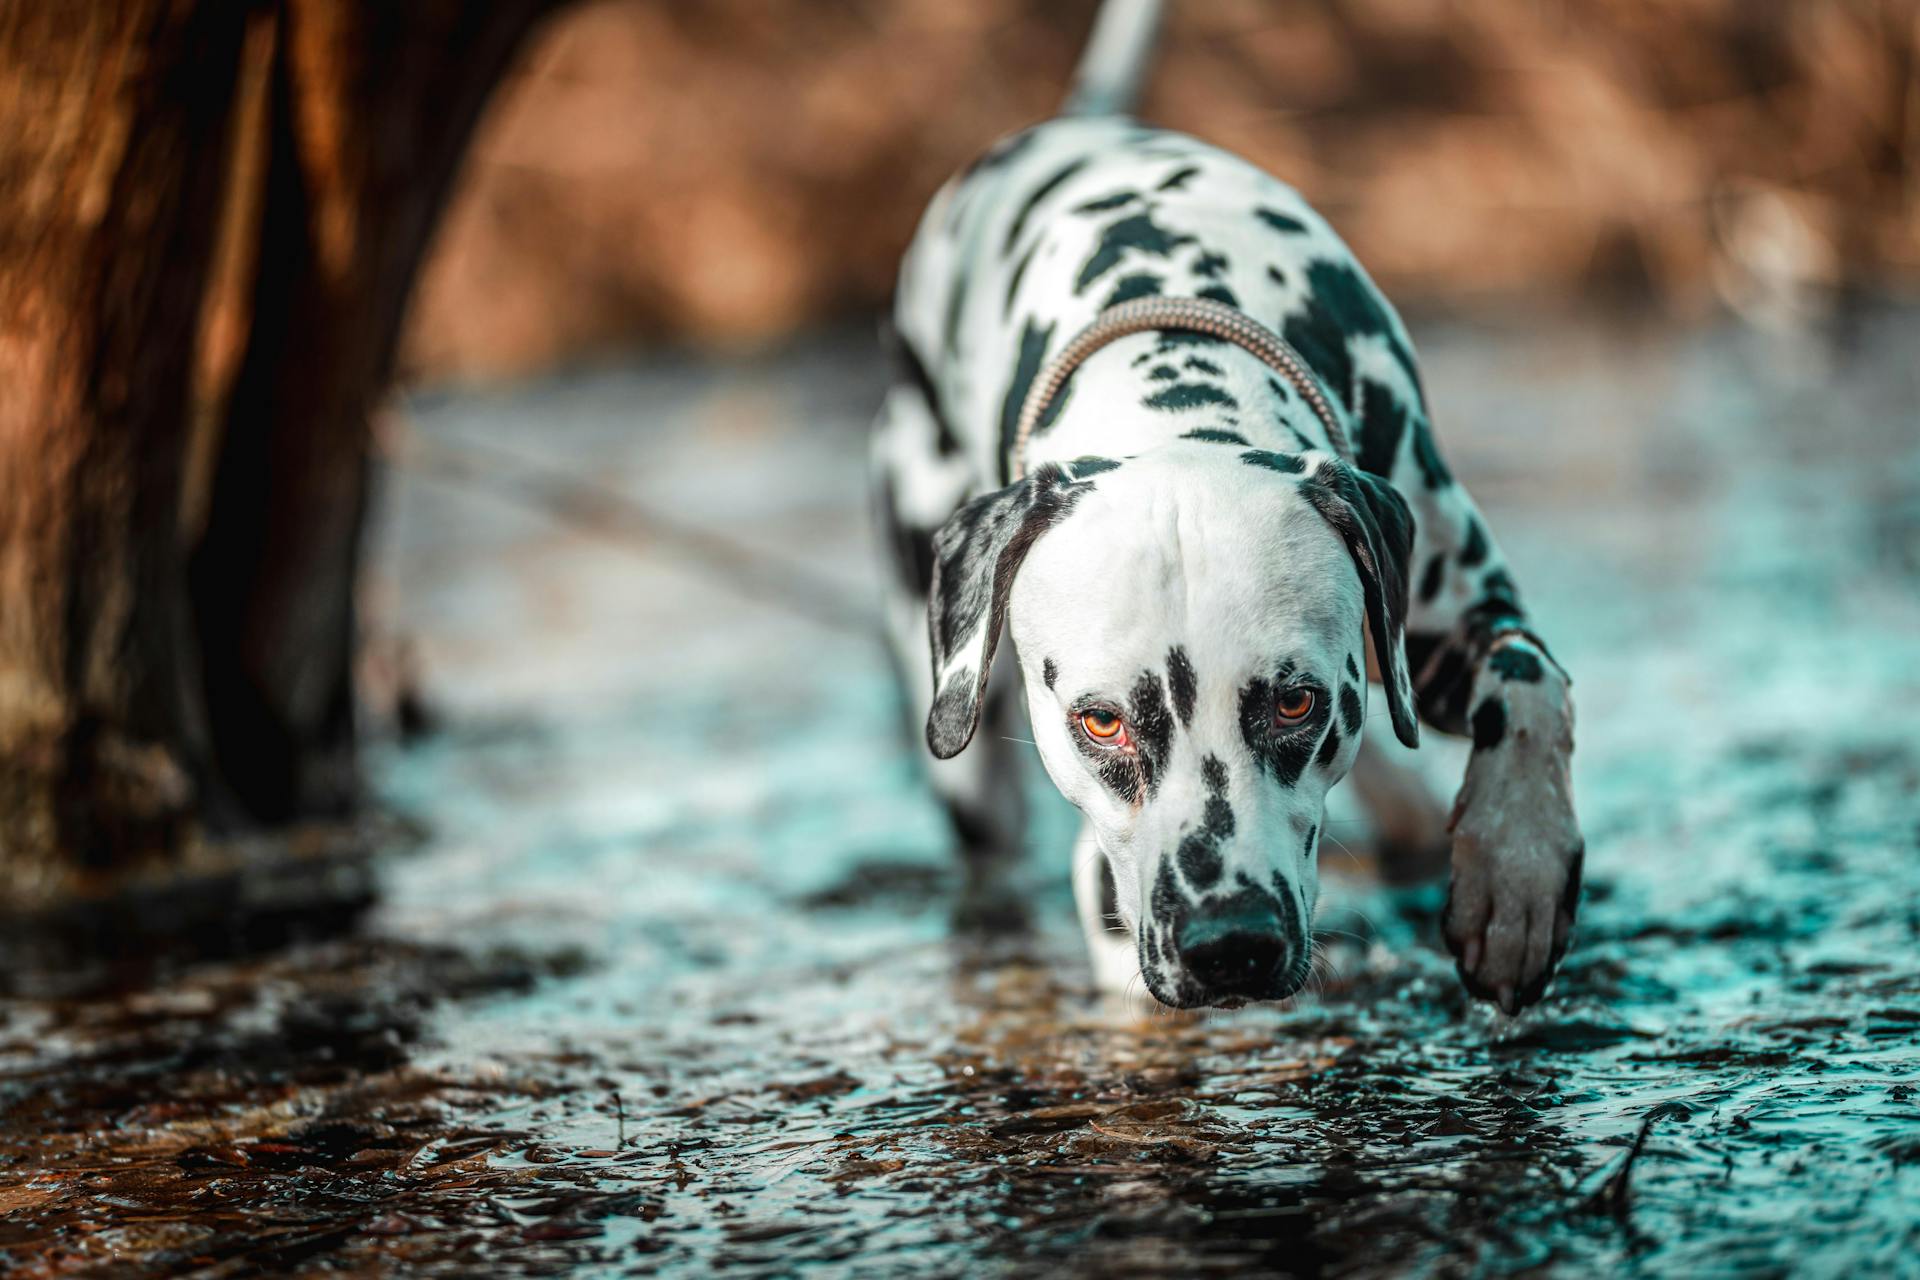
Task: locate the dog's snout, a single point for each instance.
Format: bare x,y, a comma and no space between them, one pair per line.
1241,948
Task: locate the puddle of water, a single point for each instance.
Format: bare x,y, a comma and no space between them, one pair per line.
673,984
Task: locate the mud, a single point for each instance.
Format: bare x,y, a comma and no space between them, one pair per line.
672,982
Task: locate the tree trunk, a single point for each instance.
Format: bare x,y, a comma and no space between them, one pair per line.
176,618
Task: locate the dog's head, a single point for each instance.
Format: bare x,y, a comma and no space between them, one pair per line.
1191,629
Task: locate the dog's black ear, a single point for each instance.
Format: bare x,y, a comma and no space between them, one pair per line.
1373,520
975,555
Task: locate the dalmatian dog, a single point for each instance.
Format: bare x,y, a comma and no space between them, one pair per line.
1206,551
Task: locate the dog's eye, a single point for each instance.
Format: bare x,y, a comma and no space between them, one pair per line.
1101,725
1293,706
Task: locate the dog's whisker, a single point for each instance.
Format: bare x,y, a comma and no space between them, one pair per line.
1341,845
1343,933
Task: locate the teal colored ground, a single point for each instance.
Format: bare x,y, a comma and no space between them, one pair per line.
670,983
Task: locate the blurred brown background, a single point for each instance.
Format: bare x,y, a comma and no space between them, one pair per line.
722,172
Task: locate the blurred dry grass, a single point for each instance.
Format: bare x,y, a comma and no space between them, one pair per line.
725,171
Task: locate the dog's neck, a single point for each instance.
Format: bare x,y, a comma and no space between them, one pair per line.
1150,389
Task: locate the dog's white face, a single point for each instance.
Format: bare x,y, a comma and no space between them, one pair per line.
1191,642
1191,631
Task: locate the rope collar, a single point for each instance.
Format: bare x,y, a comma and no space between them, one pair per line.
1195,315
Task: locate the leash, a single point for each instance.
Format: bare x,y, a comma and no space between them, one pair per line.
1193,315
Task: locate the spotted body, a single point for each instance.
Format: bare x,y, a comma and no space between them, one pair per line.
1186,548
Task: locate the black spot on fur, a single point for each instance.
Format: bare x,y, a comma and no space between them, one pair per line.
910,369
1278,276
1171,338
1210,265
1001,153
956,303
1350,710
1033,352
1433,468
1041,192
1164,373
1442,693
1110,899
1281,751
1214,435
1353,668
1200,364
1449,660
1219,293
1383,425
1476,549
1178,178
1329,748
1286,464
1181,683
1515,663
1107,203
1279,389
1168,903
1489,723
1199,854
1189,395
1138,285
1050,413
1498,595
1086,466
1281,221
1341,305
1139,233
1431,580
1049,671
1152,728
1013,282
910,548
1118,771
1200,861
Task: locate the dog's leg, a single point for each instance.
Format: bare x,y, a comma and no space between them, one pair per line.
1517,848
1409,824
1110,949
1480,669
919,480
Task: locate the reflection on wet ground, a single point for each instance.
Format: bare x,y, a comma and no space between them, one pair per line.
671,984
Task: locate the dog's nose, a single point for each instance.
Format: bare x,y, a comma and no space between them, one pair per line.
1239,949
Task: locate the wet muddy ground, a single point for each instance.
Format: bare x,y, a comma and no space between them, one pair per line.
656,972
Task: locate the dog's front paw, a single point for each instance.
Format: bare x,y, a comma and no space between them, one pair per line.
1517,860
1517,851
1509,917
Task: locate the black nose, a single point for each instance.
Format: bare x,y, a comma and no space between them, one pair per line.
1240,948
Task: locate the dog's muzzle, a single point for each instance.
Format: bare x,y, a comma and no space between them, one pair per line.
1244,947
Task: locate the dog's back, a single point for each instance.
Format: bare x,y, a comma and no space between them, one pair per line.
1056,223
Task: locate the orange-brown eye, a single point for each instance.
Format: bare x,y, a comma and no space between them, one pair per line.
1100,724
1293,706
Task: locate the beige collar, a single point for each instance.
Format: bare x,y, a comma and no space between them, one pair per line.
1197,315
